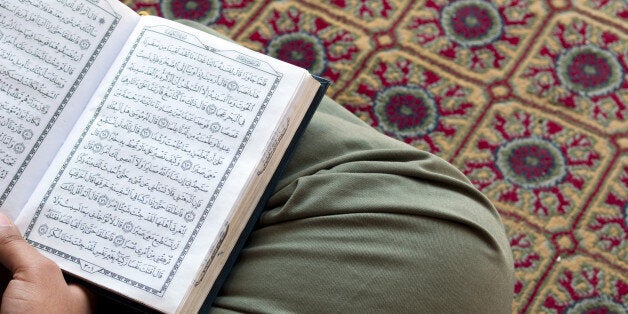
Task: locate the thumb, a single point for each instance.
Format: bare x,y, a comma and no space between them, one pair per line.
15,252
39,283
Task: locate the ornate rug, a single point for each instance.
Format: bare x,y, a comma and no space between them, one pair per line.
527,97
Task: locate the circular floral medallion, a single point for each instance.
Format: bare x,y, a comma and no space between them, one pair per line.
43,229
589,70
102,200
596,305
19,148
472,23
27,134
127,227
189,216
118,240
202,11
531,163
301,49
97,148
406,110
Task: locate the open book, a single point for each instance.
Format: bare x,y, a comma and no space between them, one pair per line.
133,150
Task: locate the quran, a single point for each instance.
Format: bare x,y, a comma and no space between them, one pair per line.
135,151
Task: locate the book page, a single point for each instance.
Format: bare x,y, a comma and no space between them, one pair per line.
156,163
53,53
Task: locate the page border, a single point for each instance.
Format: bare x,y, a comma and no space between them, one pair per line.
117,17
157,291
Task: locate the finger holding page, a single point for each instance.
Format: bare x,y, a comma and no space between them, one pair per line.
15,253
35,283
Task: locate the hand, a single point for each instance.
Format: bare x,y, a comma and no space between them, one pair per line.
32,283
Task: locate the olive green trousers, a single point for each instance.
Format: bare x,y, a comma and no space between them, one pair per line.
362,223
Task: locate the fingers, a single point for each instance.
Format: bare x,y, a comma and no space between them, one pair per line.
36,282
82,299
15,252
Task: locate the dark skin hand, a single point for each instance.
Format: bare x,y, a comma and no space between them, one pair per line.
32,283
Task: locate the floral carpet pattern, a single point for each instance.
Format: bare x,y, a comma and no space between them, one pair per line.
527,97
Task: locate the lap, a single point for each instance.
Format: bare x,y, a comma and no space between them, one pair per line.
363,223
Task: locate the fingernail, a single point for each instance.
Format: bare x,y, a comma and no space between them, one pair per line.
5,221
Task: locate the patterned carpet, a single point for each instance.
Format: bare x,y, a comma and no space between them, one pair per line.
528,97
